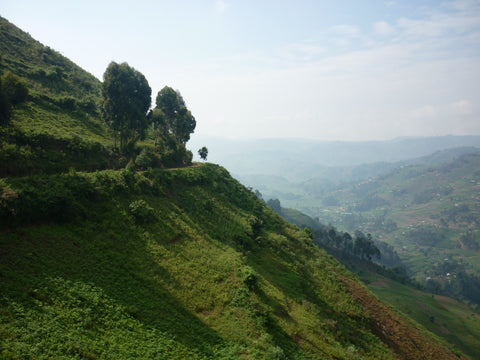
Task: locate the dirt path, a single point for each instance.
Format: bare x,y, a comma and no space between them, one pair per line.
195,164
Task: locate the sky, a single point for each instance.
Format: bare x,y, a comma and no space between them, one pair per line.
318,69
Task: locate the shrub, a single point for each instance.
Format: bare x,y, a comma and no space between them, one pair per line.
251,280
141,211
147,158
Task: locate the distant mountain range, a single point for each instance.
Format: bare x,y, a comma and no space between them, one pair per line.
299,160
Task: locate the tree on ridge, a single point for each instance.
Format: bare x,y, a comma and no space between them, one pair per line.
172,115
126,100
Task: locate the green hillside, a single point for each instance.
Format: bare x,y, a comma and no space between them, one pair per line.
63,98
452,320
177,264
429,214
58,127
104,260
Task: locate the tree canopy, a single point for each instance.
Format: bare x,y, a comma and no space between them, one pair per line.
127,98
203,152
172,115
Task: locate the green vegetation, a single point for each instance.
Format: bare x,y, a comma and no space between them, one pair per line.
429,214
109,255
13,91
59,125
203,152
447,318
126,100
172,117
177,263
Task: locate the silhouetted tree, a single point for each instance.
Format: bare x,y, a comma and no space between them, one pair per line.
203,152
364,247
173,115
126,100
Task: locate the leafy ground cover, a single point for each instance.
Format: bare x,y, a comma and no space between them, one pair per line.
184,263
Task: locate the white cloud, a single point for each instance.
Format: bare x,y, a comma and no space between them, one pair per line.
382,28
221,5
424,112
346,30
462,107
301,51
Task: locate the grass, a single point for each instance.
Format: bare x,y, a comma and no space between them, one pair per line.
208,272
449,319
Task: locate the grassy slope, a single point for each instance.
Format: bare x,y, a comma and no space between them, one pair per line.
96,283
59,125
63,97
448,318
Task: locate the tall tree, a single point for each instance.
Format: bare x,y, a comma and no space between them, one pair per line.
174,115
126,100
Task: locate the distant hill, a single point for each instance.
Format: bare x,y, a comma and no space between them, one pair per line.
429,213
300,160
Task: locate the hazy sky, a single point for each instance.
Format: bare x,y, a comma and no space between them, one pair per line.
330,70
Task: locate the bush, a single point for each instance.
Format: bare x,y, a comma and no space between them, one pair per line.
147,158
251,280
141,211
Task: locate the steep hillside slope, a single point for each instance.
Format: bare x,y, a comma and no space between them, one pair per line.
59,126
63,96
452,320
178,264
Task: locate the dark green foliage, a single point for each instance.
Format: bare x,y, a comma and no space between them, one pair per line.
59,198
30,153
251,280
126,100
364,246
141,211
13,91
203,152
172,116
5,107
308,232
274,204
148,158
14,88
